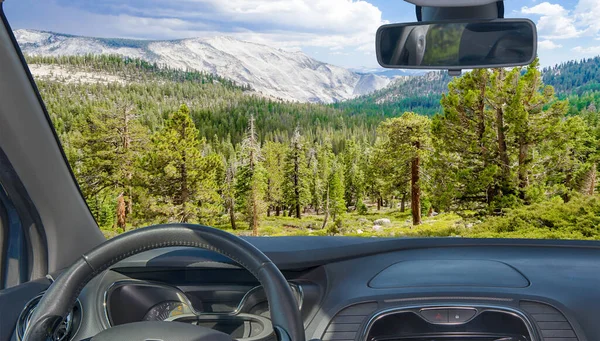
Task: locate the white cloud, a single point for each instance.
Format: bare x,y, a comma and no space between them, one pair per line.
342,16
334,24
555,22
587,51
546,9
548,45
587,13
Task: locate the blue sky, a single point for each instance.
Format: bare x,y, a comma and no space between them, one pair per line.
340,32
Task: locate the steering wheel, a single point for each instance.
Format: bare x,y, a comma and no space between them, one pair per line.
62,294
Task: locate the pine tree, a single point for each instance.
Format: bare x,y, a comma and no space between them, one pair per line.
315,183
571,157
104,154
336,191
529,120
465,137
388,176
274,153
296,186
408,139
353,173
181,182
229,195
250,181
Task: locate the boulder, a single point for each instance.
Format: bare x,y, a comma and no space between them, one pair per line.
382,222
363,221
377,228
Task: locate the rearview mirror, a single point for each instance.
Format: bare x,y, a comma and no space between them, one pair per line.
457,45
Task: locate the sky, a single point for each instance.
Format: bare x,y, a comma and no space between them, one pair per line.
340,32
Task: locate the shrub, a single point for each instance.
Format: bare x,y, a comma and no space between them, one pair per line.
552,219
361,208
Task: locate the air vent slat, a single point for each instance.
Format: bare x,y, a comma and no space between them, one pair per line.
348,319
345,325
339,336
536,308
555,325
359,309
558,333
552,323
549,317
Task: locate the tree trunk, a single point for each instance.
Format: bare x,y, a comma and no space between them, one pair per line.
326,210
592,184
297,185
415,189
121,213
403,203
184,194
277,210
232,216
481,132
481,114
523,182
254,213
269,200
502,150
126,141
130,201
379,203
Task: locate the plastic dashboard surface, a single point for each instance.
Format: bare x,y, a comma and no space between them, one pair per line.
553,286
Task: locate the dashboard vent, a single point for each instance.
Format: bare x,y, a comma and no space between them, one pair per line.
64,331
346,324
552,323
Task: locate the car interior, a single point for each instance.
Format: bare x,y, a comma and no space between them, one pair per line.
63,281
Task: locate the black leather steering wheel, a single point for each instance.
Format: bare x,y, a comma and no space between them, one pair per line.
62,294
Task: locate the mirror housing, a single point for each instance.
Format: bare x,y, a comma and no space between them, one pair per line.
457,45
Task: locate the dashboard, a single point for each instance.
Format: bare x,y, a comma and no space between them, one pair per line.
359,290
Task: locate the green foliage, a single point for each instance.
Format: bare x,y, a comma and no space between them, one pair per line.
181,182
554,219
361,208
132,69
408,140
497,139
447,38
571,77
578,81
296,189
273,153
336,191
251,180
501,148
354,180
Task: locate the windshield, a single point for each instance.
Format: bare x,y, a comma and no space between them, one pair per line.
272,118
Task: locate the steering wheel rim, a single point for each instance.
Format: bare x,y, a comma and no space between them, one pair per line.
62,294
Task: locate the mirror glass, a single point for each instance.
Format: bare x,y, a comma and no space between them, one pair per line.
457,45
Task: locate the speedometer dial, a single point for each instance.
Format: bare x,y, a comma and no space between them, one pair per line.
166,311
